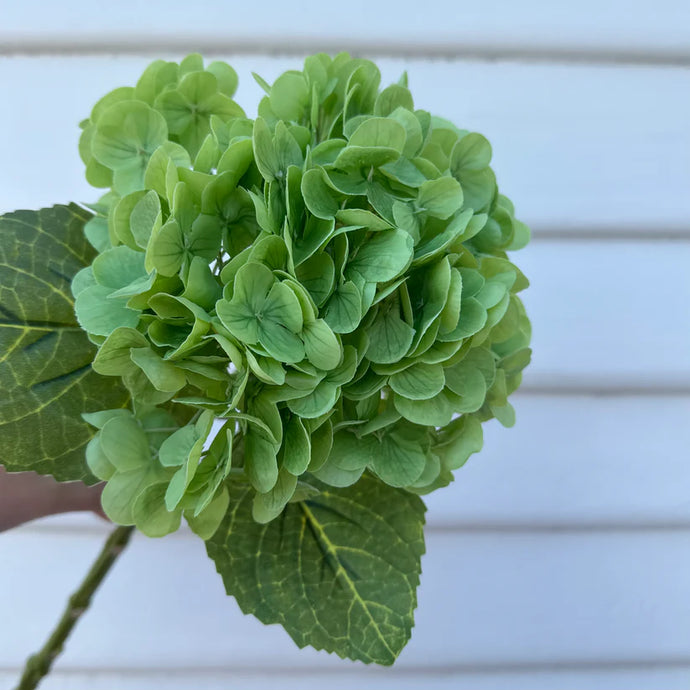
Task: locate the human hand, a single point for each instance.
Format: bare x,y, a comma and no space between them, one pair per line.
27,496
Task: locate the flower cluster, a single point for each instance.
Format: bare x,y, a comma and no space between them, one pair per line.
294,300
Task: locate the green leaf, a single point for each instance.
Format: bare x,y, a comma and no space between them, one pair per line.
99,315
225,76
348,459
262,82
161,173
233,164
97,460
461,438
118,220
270,251
269,505
220,458
113,358
155,78
436,411
389,336
361,88
435,247
361,217
504,414
176,449
384,256
472,319
430,288
253,282
239,319
260,463
316,233
193,446
145,218
451,310
281,343
122,491
339,571
354,158
100,418
126,136
287,149
319,197
404,172
289,96
282,306
45,358
407,219
440,198
165,376
381,419
166,250
296,447
201,286
321,345
317,402
382,199
123,93
266,369
343,311
265,311
392,97
478,187
317,275
208,156
351,183
377,141
264,151
346,369
365,386
321,444
118,267
188,108
150,514
471,152
124,443
516,362
96,231
469,384
327,151
400,460
207,522
432,477
419,382
413,130
173,330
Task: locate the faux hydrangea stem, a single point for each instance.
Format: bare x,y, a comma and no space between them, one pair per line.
38,665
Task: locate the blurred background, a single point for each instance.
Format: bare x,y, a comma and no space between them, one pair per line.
560,558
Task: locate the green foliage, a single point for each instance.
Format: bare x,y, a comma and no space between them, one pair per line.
46,377
313,312
320,572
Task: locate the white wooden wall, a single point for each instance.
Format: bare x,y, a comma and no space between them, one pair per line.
561,556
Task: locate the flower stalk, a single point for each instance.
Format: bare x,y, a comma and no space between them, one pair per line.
39,664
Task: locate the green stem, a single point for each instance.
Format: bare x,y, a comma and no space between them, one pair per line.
38,665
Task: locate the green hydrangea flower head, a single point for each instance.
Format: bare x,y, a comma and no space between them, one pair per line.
293,301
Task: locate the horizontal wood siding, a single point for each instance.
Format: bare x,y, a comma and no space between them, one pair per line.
559,557
488,601
582,150
590,28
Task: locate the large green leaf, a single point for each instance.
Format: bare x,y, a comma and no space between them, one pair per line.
46,379
338,571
